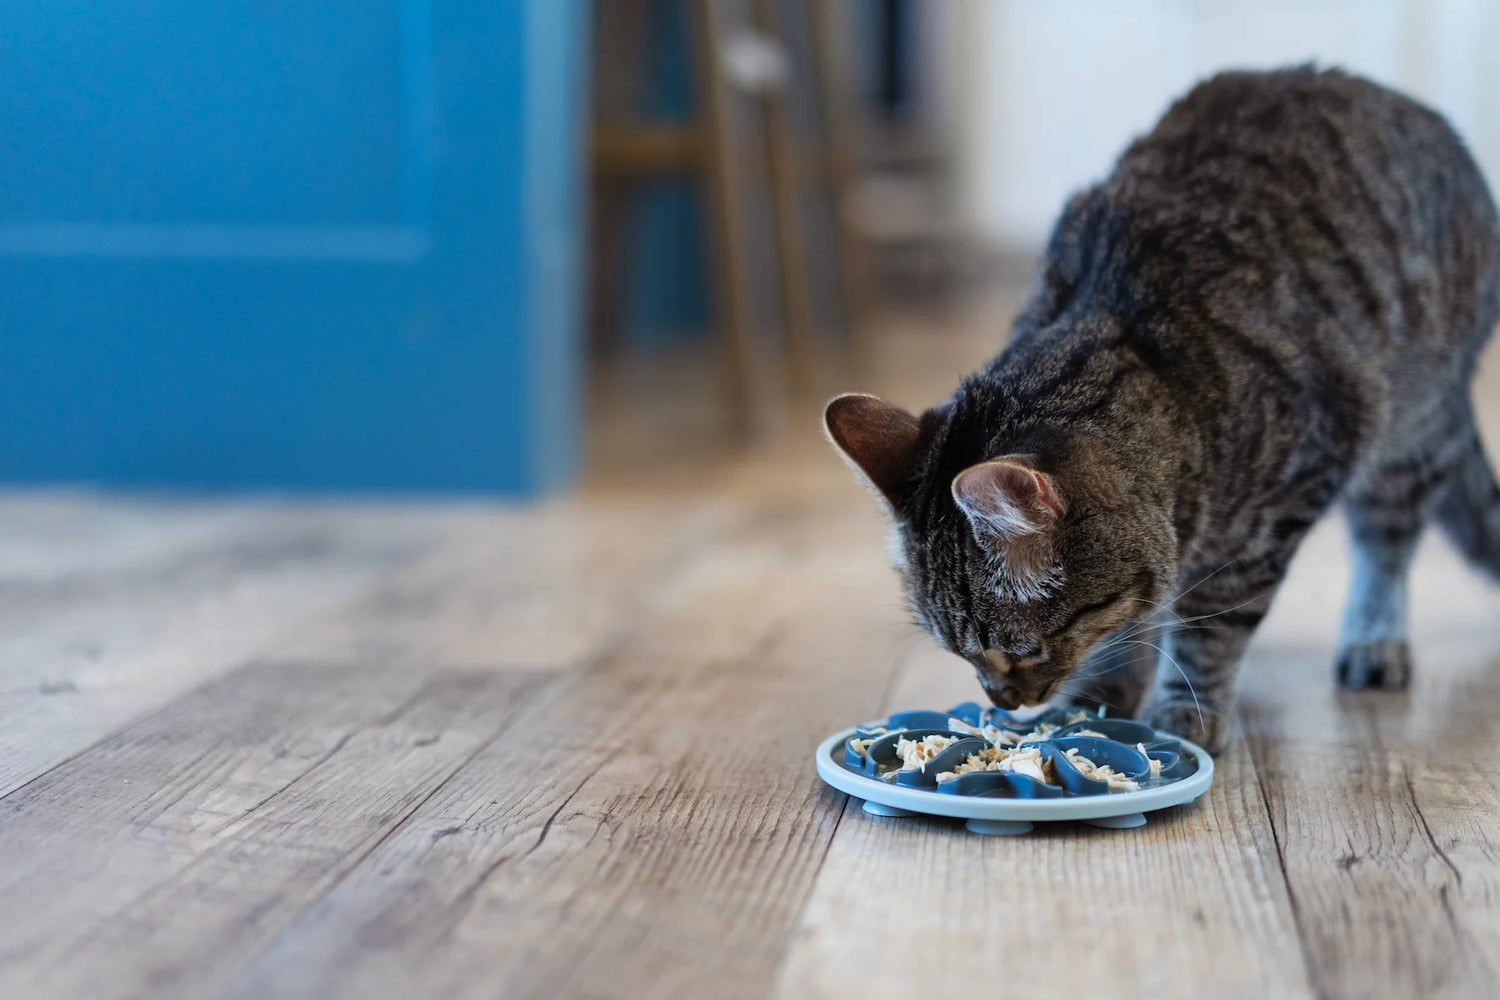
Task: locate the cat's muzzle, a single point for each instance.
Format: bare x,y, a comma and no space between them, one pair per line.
1013,694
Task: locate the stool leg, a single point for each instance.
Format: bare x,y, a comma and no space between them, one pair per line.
827,28
784,159
619,33
720,182
607,252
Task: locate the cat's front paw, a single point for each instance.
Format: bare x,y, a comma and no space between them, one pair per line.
1208,727
1383,665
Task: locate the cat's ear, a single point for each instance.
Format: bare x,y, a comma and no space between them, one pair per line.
1011,506
877,438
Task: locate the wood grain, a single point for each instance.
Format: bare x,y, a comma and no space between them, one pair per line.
656,828
178,848
48,535
178,595
526,589
1384,804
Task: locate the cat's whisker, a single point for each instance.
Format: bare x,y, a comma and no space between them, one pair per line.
1132,630
1205,580
1166,608
1216,614
1189,624
1070,688
1091,696
1180,628
1144,629
1083,675
1166,617
1172,618
1185,679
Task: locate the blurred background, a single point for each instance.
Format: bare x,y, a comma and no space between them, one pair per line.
507,247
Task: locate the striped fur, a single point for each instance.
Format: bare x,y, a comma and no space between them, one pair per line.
1274,303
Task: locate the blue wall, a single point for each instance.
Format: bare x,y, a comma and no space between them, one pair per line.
307,245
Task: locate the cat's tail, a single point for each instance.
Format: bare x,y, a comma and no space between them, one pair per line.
1468,508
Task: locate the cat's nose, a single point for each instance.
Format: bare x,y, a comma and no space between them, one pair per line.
1006,696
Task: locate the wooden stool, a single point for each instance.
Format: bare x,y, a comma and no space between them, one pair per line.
731,62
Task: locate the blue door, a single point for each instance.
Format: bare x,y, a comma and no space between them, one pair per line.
309,244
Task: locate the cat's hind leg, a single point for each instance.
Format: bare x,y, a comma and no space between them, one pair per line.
1374,651
1468,504
1385,507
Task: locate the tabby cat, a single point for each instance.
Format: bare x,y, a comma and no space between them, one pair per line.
1276,301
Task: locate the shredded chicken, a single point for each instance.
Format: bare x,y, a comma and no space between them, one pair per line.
1041,732
1155,764
916,753
993,734
1116,781
987,759
1026,760
862,746
1003,737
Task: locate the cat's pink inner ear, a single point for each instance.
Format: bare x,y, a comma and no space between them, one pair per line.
1008,498
879,438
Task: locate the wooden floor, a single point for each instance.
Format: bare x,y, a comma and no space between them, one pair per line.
261,749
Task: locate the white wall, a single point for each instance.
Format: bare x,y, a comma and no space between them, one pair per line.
1050,92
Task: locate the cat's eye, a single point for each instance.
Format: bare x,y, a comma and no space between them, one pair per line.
1026,651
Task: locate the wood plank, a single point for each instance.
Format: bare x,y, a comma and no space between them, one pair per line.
1384,804
47,535
85,650
544,587
158,862
912,907
653,830
548,585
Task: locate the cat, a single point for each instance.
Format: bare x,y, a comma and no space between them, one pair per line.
1275,302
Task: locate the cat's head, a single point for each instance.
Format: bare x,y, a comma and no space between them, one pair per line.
1018,561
